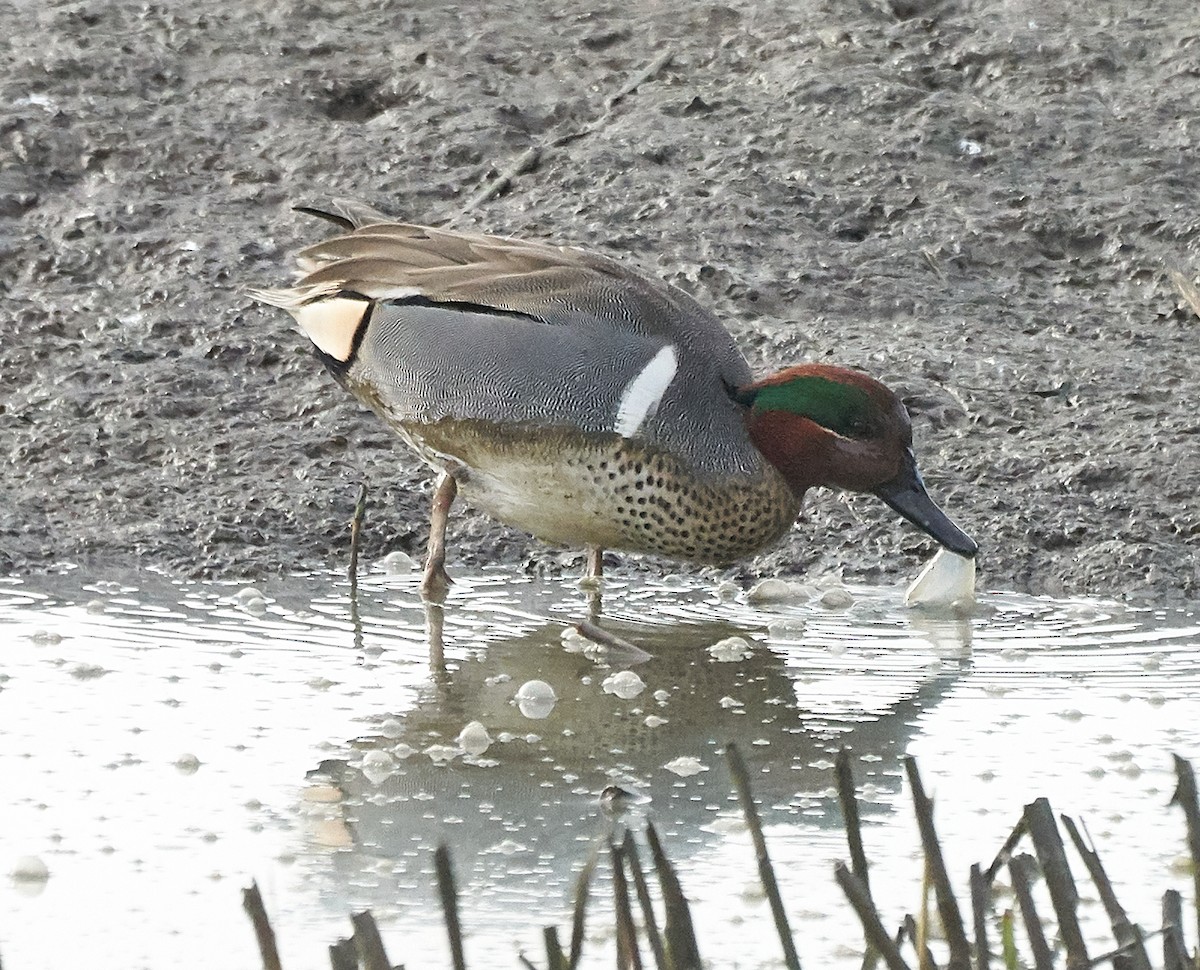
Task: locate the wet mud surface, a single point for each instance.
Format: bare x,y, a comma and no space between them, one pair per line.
979,203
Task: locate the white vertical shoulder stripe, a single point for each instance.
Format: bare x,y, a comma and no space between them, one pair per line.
642,395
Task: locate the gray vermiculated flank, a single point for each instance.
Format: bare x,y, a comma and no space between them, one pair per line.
591,327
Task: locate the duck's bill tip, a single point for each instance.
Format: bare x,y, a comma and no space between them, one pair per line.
906,494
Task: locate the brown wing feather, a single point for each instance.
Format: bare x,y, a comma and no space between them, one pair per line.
378,259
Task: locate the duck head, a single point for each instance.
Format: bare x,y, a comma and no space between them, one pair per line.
823,425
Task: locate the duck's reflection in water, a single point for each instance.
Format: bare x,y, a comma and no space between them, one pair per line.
522,815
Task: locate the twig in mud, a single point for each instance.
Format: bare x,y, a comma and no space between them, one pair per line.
1127,934
766,872
253,905
952,923
449,897
651,70
368,942
529,159
1052,857
860,900
1019,868
932,260
1187,289
628,652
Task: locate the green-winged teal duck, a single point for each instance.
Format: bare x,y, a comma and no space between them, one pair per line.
574,398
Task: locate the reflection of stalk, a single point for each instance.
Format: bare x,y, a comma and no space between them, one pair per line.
360,512
445,880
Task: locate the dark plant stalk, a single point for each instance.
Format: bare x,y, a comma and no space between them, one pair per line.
1127,935
766,872
952,923
253,905
979,906
1052,857
369,943
1174,949
555,958
860,900
343,955
1019,868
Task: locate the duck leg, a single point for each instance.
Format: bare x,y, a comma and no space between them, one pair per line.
436,583
593,581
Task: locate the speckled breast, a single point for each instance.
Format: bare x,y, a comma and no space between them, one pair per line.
574,489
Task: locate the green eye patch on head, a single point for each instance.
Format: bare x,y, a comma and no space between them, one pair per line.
842,408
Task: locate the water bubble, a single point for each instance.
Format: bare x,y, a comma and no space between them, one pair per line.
29,868
396,562
441,754
685,766
625,684
474,739
535,699
727,592
575,642
837,598
187,763
771,591
731,649
377,766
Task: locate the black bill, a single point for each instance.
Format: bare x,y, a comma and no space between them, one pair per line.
906,494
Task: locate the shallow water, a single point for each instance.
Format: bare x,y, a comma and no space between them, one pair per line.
166,742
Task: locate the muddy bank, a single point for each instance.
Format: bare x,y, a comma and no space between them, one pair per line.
978,202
